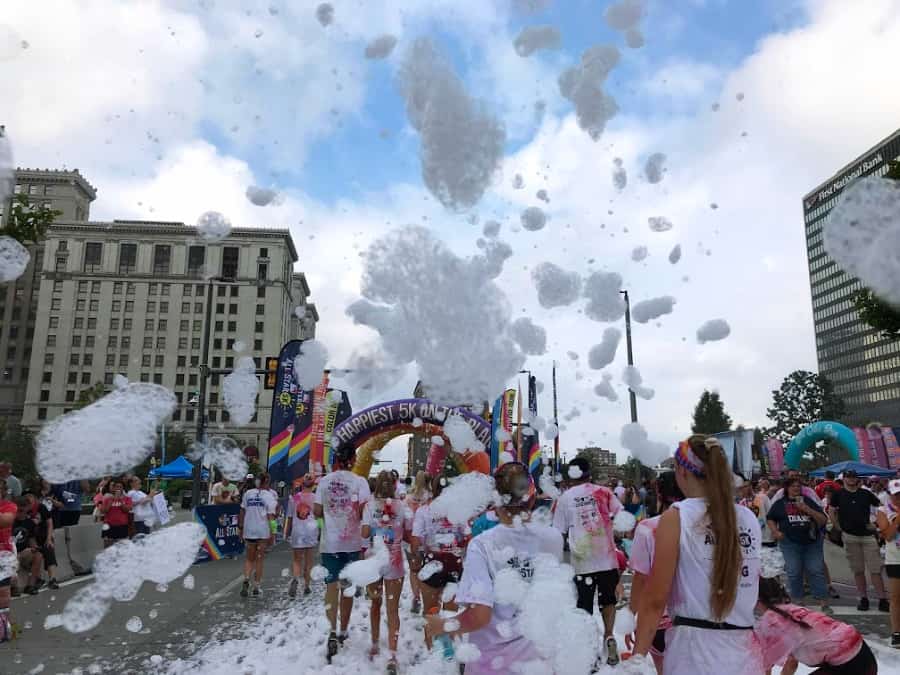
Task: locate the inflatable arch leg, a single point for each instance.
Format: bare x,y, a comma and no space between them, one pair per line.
820,431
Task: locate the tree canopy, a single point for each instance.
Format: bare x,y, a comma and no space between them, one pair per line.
709,414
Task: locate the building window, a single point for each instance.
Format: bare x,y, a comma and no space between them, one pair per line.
117,305
232,326
196,261
76,340
261,292
47,378
148,324
95,287
45,395
94,305
126,341
182,343
129,305
161,342
60,263
187,290
214,380
262,271
182,362
151,305
161,324
185,307
229,344
195,361
123,360
82,287
157,378
212,415
232,308
92,323
57,286
63,245
263,253
70,395
198,290
192,380
229,362
230,262
145,360
48,359
234,291
226,416
179,379
198,326
162,255
163,307
117,288
74,359
221,291
110,359
129,289
148,342
220,308
217,362
78,323
51,340
184,325
145,377
42,413
164,289
213,398
108,378
257,345
73,378
217,343
198,308
85,378
80,305
219,326
260,310
195,343
93,256
189,415
88,360
153,289
89,341
176,416
258,327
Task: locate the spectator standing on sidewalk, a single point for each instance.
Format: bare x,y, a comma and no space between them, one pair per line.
115,509
8,511
851,509
144,515
29,553
224,492
46,520
13,484
888,521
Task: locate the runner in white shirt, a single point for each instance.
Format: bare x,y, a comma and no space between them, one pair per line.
142,504
256,524
888,522
339,501
386,517
706,570
493,625
584,515
302,531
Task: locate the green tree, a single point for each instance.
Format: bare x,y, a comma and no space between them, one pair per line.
592,455
17,448
709,414
802,399
27,223
90,395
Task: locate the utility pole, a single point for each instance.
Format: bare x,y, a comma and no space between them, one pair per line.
631,396
555,423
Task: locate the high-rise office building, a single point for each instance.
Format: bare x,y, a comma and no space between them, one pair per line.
129,298
863,366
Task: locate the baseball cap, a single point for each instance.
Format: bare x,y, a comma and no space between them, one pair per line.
894,486
850,473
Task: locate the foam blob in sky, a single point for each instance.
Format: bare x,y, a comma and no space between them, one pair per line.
533,38
223,453
533,219
213,226
461,140
259,196
464,351
625,16
239,389
325,14
604,299
654,167
7,167
309,364
639,253
647,310
14,259
381,47
619,175
491,229
582,84
632,378
862,234
675,254
555,286
634,439
603,353
605,389
532,339
713,330
659,224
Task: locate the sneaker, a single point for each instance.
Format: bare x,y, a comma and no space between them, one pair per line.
342,638
332,646
292,589
40,584
863,605
827,609
245,588
15,591
31,590
373,652
417,606
612,652
53,585
307,590
391,667
255,592
895,640
884,605
833,593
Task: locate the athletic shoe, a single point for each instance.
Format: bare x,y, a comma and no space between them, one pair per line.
895,640
612,652
342,638
31,590
53,585
374,651
40,584
417,606
307,590
863,605
833,593
15,591
255,591
332,646
391,667
245,588
884,605
292,589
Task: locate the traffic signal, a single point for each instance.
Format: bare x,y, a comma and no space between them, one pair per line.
271,371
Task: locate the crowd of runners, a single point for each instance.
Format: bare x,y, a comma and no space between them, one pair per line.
703,601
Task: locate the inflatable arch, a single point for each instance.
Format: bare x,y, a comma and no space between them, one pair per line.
370,429
820,431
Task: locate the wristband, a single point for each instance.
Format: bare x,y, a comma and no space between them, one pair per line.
273,526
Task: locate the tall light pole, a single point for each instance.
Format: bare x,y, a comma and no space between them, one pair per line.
555,424
631,396
200,438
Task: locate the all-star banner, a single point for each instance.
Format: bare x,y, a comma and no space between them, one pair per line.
502,418
290,405
337,409
317,442
534,449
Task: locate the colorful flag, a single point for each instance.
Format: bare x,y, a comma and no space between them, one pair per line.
520,451
337,410
317,443
776,456
502,419
866,454
891,446
534,454
284,409
878,446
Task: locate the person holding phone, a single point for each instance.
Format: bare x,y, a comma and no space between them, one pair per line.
796,523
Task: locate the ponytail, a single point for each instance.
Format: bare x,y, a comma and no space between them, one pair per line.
723,523
772,594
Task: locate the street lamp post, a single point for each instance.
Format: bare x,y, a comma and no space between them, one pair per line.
631,396
200,438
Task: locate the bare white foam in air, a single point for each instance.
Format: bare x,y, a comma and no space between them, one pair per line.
260,196
605,389
461,141
532,339
605,300
325,13
619,175
713,330
654,167
239,389
675,254
309,364
647,310
583,86
213,226
381,47
659,223
634,439
14,259
602,354
533,219
625,16
223,453
631,376
533,38
555,286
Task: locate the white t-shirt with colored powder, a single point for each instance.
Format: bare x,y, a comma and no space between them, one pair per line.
437,533
585,513
501,643
389,519
826,641
257,506
342,494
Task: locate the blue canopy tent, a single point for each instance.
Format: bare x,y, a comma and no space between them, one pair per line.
177,468
860,468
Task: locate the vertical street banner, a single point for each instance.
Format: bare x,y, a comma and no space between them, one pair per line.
878,446
317,442
222,535
496,414
284,409
520,451
534,450
776,456
336,411
504,409
298,455
891,447
866,456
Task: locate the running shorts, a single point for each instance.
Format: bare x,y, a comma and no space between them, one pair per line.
335,564
603,584
450,573
893,571
116,532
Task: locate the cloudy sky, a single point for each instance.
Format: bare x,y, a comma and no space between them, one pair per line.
174,107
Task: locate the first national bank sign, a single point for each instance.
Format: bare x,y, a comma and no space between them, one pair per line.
867,166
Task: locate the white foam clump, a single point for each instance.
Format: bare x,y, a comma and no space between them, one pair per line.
213,226
134,624
533,38
605,389
465,651
624,522
533,219
518,182
491,229
638,253
368,373
260,196
713,330
430,569
574,472
505,457
604,353
461,141
659,224
531,338
14,259
369,570
583,86
9,563
325,14
647,310
7,167
309,364
466,497
417,422
603,292
111,435
547,484
318,573
654,167
543,196
619,174
223,453
634,439
300,312
381,47
188,582
239,390
675,254
555,286
625,620
862,234
474,311
625,16
119,572
552,431
632,378
462,436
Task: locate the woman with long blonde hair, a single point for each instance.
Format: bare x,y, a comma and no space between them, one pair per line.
417,495
706,570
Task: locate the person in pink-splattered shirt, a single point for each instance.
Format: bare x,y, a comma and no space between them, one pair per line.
789,635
